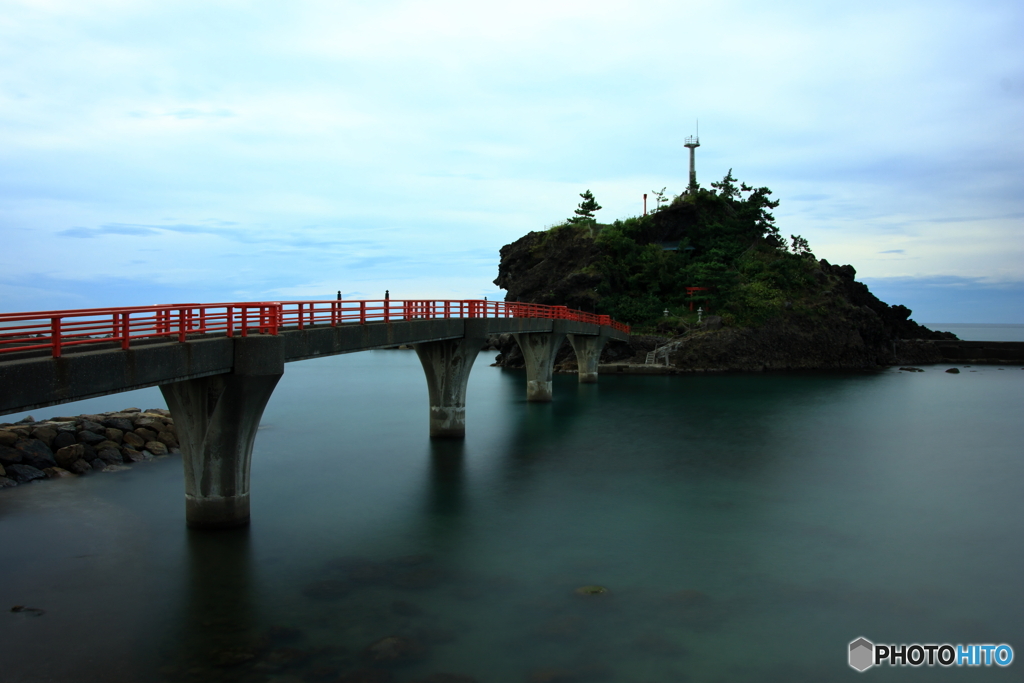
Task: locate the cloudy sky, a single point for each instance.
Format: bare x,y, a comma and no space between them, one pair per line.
157,152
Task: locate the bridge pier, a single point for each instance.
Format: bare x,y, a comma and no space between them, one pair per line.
539,349
588,355
216,418
447,365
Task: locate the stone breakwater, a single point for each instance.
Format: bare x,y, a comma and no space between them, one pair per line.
73,446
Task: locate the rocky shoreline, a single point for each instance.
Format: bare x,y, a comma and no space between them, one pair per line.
73,446
713,348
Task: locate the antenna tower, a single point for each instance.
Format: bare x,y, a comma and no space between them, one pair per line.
693,142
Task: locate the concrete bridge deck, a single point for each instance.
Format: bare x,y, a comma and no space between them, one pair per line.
218,364
33,379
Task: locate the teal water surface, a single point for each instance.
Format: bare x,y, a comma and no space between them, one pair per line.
977,332
746,527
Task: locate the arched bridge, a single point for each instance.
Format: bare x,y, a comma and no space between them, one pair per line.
217,365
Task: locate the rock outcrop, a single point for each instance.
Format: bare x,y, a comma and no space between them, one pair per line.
66,446
836,324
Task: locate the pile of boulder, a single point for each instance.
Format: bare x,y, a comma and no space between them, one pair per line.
71,446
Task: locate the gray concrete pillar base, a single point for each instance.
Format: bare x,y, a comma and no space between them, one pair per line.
447,365
539,349
447,422
538,391
217,512
588,355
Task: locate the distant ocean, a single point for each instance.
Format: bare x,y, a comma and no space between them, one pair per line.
980,331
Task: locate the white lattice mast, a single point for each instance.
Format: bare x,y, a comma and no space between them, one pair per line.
693,142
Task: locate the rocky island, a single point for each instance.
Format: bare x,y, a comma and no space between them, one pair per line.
708,283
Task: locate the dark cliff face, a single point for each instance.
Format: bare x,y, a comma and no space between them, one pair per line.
893,322
553,268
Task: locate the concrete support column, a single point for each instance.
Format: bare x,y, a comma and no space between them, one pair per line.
588,355
447,364
216,418
539,349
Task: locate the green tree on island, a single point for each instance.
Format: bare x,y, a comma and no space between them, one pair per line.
659,198
722,239
586,209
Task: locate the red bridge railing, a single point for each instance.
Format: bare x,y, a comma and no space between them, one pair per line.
59,330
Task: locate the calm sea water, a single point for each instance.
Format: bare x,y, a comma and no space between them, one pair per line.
746,527
976,332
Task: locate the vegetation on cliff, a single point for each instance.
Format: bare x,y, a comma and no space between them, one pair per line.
719,249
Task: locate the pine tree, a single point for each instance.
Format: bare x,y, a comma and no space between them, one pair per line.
586,209
659,198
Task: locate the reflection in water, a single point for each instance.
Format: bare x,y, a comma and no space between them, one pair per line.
219,619
447,478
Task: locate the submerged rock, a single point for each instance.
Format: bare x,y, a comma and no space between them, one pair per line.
411,560
447,678
285,657
395,650
321,673
230,657
553,675
283,634
433,635
418,578
696,609
367,676
404,608
29,611
330,589
566,627
370,573
659,645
